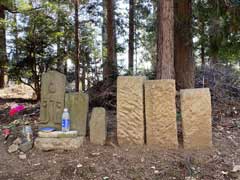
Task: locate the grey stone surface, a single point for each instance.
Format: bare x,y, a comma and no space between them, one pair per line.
77,104
130,110
58,134
160,109
52,99
26,146
22,156
48,144
13,148
98,126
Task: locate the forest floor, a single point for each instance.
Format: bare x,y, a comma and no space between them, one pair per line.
121,163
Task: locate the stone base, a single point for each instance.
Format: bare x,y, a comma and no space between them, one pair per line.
48,144
58,134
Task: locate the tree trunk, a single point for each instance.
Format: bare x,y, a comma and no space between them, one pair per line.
203,55
84,60
3,55
104,37
110,67
77,59
184,62
165,40
131,36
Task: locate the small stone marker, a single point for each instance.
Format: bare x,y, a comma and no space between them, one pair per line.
47,144
77,104
130,110
57,134
196,118
160,109
52,99
98,127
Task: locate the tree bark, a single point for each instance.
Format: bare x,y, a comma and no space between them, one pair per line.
131,36
165,40
110,67
77,54
3,54
104,37
184,61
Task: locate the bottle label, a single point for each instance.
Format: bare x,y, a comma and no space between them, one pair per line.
66,123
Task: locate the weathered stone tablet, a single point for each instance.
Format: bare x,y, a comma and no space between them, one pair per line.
98,126
77,104
160,109
47,144
130,110
58,134
52,99
196,118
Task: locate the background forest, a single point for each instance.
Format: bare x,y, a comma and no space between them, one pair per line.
93,41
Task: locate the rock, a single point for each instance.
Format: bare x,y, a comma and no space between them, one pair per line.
236,168
79,165
196,118
235,173
98,126
26,146
57,134
22,156
52,99
130,110
47,144
77,104
13,148
17,141
160,108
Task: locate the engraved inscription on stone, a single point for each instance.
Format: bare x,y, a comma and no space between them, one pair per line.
130,110
98,126
77,104
52,98
160,109
196,118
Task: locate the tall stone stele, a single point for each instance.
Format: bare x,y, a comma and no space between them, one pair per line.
98,126
160,108
52,99
77,104
130,110
196,113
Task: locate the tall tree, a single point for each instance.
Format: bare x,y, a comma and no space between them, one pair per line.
77,47
183,54
3,56
165,40
110,67
104,32
131,36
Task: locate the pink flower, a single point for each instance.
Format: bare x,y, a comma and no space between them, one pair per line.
16,109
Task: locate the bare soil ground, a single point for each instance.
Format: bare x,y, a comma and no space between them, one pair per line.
121,163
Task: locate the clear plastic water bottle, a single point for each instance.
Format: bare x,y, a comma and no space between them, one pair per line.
65,120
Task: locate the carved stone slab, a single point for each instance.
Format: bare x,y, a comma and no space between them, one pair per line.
52,98
48,144
130,110
98,126
196,118
77,104
160,109
57,134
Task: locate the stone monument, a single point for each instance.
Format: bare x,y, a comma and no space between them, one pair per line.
98,126
77,104
160,109
196,118
52,98
130,110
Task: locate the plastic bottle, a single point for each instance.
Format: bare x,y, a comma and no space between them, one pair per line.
65,120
